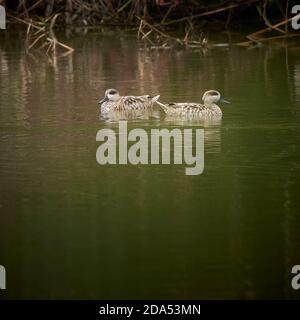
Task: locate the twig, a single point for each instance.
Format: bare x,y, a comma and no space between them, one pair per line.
36,40
267,22
168,12
159,32
210,12
286,36
254,34
50,37
31,8
286,15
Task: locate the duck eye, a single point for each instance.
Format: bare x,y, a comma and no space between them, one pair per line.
112,92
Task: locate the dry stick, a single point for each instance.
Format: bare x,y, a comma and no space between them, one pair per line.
228,19
146,35
267,22
31,8
53,37
52,23
254,34
27,35
70,49
23,21
50,45
49,39
118,11
211,12
146,38
22,3
140,28
160,32
43,45
28,30
286,36
186,37
152,28
122,8
36,40
39,31
280,37
286,15
166,15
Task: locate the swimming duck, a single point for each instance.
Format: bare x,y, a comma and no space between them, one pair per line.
209,108
112,101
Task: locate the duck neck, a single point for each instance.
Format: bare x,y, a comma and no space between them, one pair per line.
209,105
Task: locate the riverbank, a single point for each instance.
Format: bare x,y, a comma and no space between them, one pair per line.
175,13
160,24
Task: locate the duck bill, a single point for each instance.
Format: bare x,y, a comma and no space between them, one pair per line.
103,100
224,101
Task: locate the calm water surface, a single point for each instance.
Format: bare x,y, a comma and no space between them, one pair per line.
71,228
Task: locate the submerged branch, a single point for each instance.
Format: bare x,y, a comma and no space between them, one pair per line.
165,40
256,37
36,32
211,12
150,17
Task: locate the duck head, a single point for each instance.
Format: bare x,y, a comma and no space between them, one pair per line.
110,95
212,97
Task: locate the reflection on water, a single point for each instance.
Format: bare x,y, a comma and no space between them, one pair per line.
212,128
71,228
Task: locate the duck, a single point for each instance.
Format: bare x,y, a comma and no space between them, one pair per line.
209,108
112,101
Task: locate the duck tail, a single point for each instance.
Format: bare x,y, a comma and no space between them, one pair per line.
154,98
164,107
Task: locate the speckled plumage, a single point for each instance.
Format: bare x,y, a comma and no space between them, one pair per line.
113,102
209,108
187,109
115,116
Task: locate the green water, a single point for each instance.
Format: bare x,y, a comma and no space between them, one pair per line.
71,228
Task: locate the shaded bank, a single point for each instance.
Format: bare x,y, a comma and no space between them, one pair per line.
163,12
160,23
